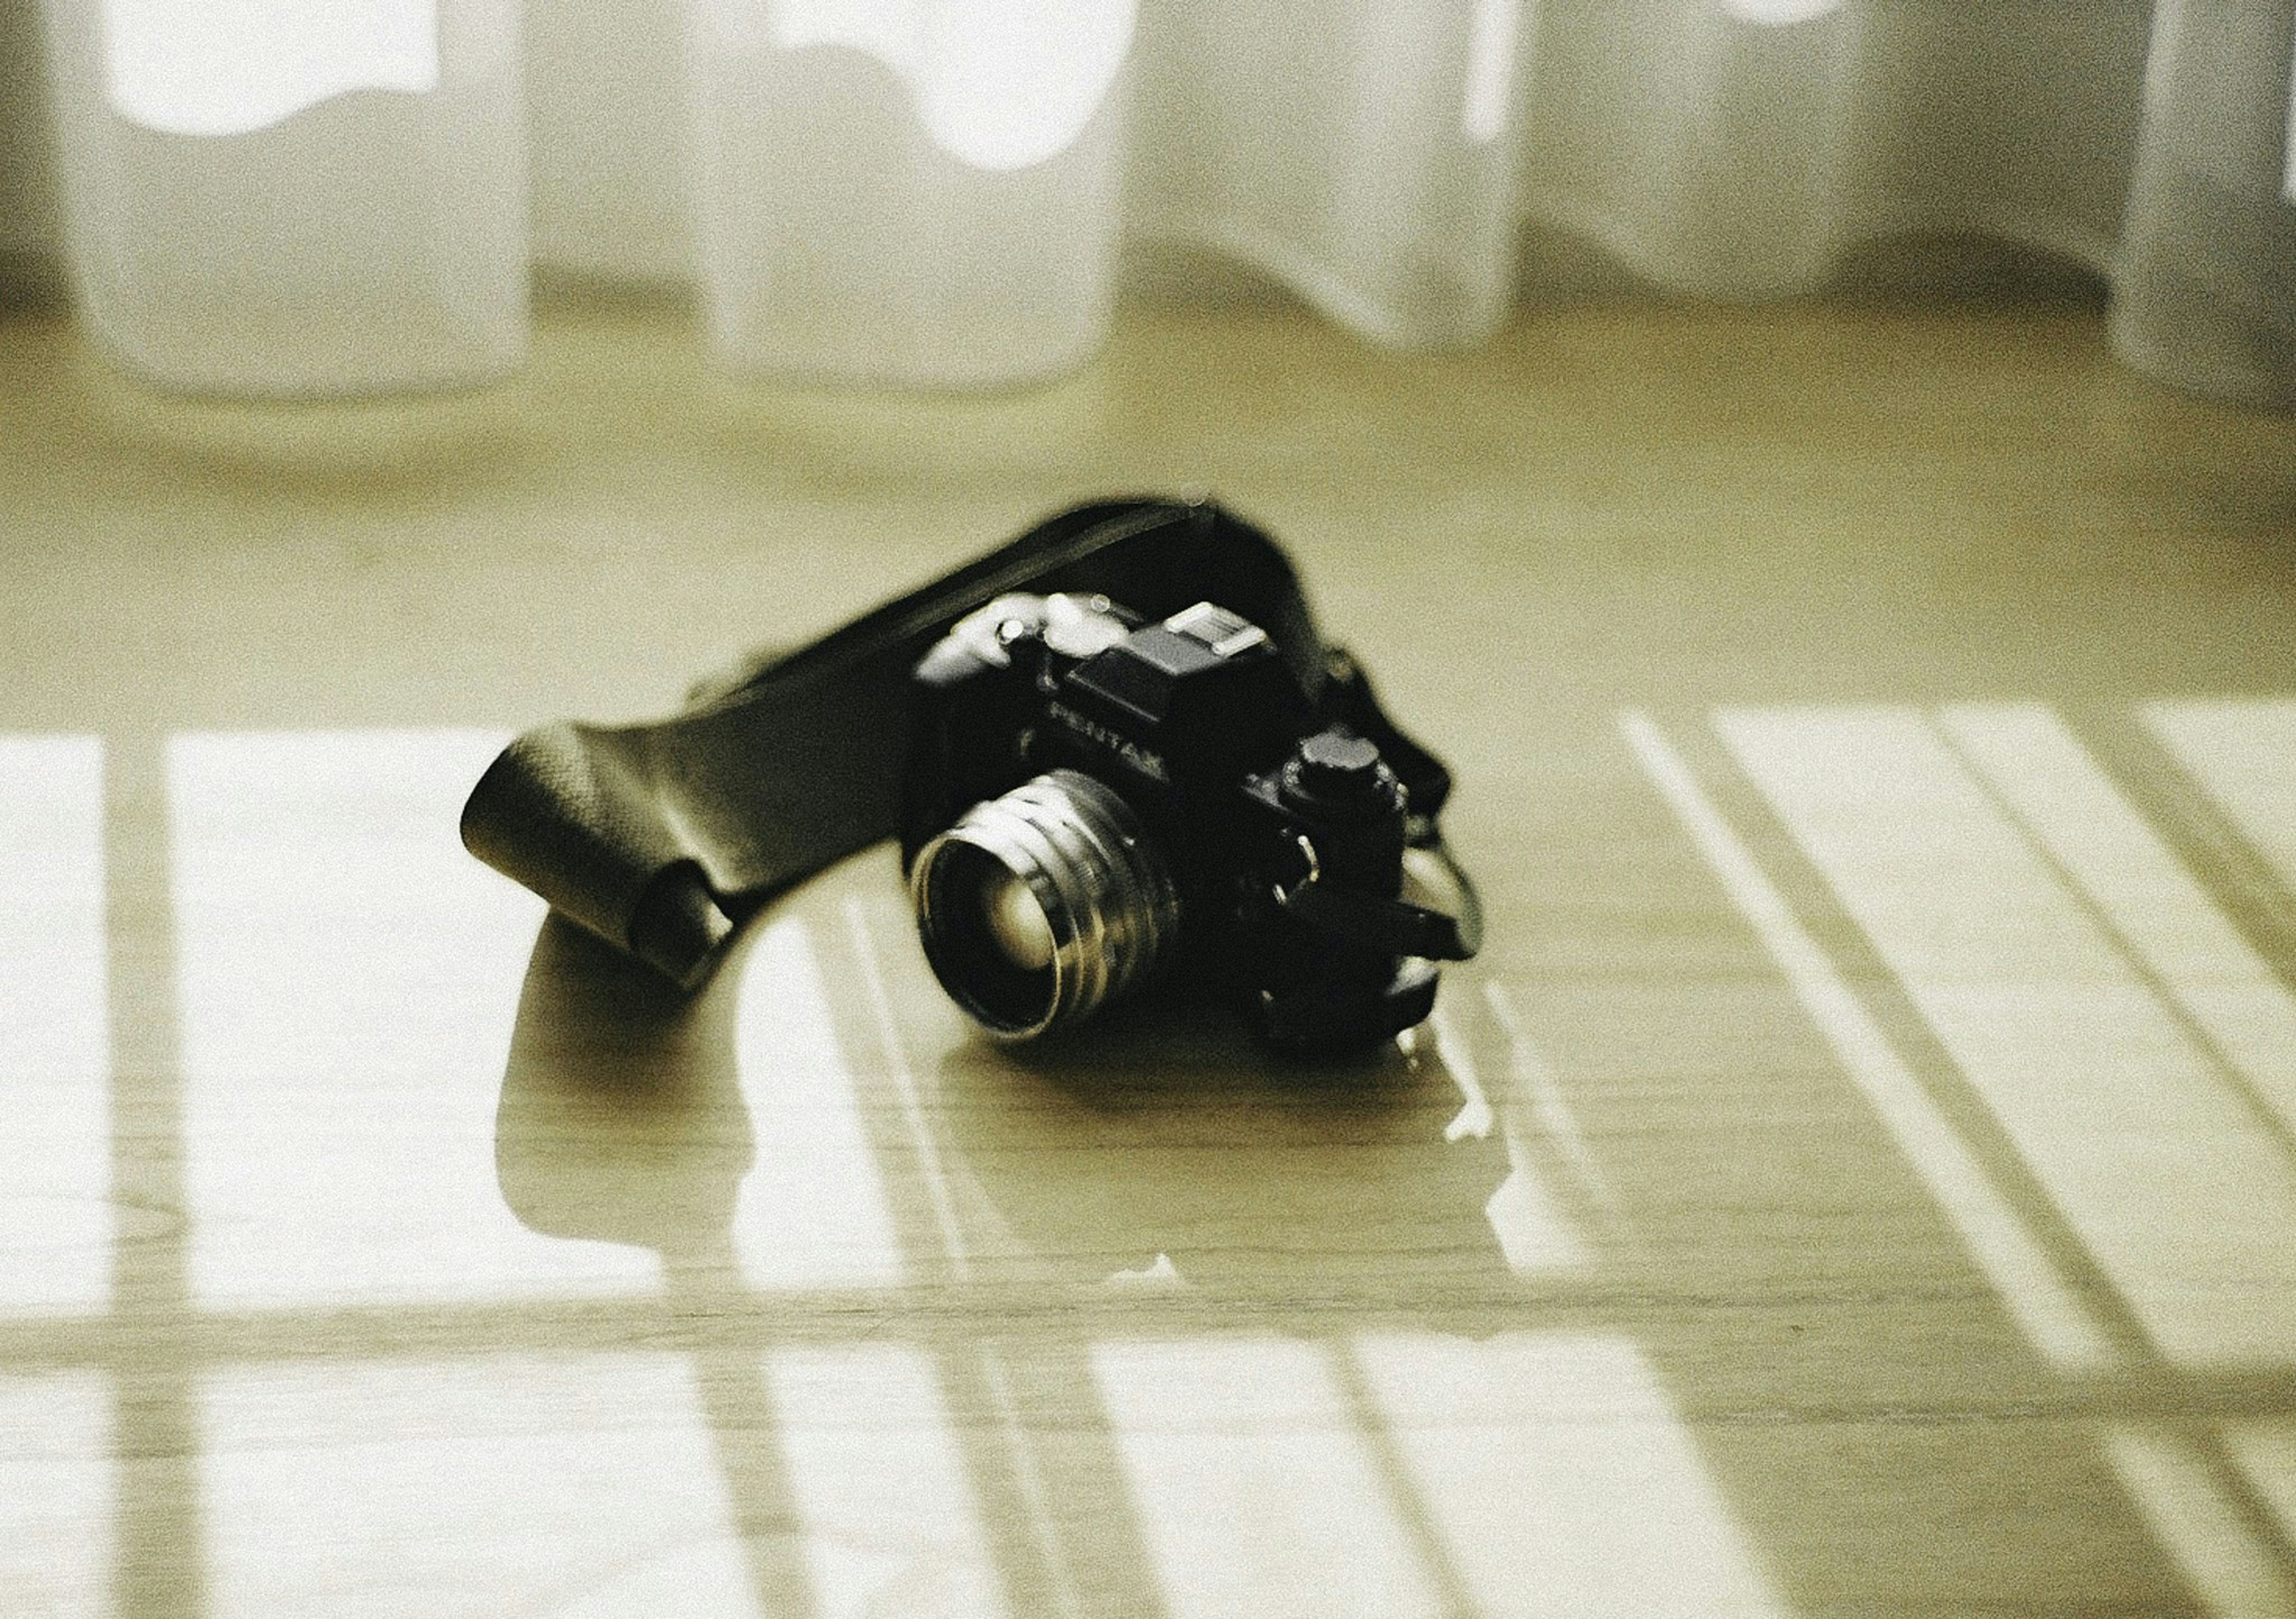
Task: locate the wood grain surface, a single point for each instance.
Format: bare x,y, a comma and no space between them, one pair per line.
1858,1178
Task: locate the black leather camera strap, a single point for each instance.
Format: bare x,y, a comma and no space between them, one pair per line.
656,836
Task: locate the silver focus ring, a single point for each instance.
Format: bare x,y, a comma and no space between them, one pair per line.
1106,896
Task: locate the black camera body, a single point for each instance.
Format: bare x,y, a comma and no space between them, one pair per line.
1091,802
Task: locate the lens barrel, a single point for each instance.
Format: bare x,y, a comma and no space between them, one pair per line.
1061,861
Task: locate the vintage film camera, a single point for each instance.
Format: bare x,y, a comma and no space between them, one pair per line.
1092,802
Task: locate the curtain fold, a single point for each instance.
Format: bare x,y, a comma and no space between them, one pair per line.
1360,151
940,192
2206,281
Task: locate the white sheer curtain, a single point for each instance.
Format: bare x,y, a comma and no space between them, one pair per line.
940,192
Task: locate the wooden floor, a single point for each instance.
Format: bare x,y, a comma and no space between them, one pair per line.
1859,1177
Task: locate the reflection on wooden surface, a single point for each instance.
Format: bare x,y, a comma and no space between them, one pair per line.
911,1322
1860,1178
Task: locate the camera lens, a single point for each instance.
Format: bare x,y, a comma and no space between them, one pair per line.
1037,907
1017,923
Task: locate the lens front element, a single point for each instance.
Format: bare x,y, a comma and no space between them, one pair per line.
1017,923
1037,907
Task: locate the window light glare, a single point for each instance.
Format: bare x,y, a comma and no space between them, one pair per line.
1492,31
229,66
1776,12
999,84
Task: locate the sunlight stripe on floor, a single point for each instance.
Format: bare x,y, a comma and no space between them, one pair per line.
1254,1487
891,1522
1556,1476
571,1487
2233,1574
812,1211
55,1041
2179,1192
924,1145
2045,775
349,981
2265,1451
2243,750
2030,1285
58,1496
